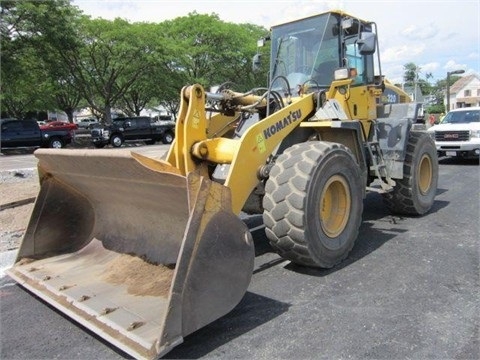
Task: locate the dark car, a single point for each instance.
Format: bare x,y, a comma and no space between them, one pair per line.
139,128
27,134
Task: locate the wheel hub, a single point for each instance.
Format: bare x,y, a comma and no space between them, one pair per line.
335,205
425,174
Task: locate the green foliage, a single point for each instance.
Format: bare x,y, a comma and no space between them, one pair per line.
23,85
112,61
437,90
412,76
32,34
436,109
54,57
210,52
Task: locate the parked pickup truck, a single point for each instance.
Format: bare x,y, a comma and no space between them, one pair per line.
140,128
27,134
458,134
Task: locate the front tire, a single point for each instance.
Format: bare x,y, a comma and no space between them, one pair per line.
116,141
415,193
313,203
167,138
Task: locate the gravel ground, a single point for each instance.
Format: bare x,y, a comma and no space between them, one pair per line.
15,186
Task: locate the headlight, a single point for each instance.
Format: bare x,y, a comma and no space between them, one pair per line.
475,134
431,134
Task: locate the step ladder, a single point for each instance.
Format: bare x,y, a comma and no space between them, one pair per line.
379,167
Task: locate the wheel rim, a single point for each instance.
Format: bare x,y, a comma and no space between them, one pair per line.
56,145
425,174
335,205
117,141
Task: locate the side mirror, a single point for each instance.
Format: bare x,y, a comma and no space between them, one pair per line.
367,43
127,124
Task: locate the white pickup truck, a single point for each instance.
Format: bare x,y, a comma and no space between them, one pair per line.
458,134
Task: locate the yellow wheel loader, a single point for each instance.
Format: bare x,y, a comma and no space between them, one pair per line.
144,252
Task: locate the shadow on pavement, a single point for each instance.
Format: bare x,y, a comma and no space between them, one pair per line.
371,237
253,311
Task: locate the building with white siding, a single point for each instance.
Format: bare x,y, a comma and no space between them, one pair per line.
465,92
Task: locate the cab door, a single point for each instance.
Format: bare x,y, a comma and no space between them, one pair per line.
361,102
143,128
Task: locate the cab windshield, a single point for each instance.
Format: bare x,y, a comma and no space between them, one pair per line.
305,50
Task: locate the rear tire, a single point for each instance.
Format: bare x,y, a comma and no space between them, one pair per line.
56,143
415,193
313,203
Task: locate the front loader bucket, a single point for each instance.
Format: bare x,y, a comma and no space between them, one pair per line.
135,252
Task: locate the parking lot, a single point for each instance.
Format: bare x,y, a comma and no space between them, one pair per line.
409,289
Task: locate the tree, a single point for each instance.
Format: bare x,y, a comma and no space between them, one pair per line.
412,78
211,52
438,91
203,49
108,62
74,60
66,96
412,74
23,85
32,32
146,90
102,63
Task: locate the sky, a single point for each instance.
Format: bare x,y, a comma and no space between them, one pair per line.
437,35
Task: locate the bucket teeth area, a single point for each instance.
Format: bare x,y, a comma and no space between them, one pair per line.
91,287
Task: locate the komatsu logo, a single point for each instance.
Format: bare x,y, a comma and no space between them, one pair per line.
281,124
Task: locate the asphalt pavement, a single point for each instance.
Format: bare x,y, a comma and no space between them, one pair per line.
408,290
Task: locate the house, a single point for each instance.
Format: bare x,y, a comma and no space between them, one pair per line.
465,92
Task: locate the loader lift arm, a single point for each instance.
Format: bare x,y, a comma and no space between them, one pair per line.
193,150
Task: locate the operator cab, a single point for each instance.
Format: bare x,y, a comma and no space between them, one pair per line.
320,49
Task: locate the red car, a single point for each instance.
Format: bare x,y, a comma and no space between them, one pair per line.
59,125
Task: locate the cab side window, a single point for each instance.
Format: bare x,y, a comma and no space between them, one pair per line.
143,122
132,123
355,63
29,125
12,126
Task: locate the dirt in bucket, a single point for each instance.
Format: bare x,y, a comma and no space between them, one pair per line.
140,277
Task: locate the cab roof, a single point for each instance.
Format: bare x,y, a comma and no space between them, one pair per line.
336,12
